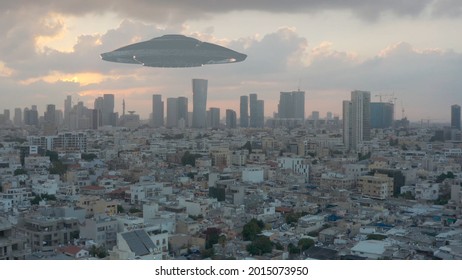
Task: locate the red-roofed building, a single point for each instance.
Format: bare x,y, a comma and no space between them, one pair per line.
74,251
93,190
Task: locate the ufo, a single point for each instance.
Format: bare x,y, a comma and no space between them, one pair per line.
173,51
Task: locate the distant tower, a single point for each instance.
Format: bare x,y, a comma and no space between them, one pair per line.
67,110
172,112
230,118
356,119
329,116
214,119
260,116
50,124
123,107
108,109
455,117
292,105
157,111
199,103
182,110
253,109
244,111
17,119
382,114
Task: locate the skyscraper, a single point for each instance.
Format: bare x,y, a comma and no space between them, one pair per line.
157,111
199,103
172,112
292,105
108,110
315,115
31,116
455,116
253,109
260,116
214,117
382,114
244,111
67,110
17,118
356,119
50,124
182,110
6,115
230,118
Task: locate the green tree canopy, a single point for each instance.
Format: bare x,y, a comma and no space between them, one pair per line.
189,158
252,229
88,157
261,245
19,171
305,243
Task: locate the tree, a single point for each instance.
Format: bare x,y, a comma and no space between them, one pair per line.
374,236
189,158
261,245
88,157
252,229
120,209
57,167
211,237
305,243
52,155
207,253
19,171
99,251
134,210
293,249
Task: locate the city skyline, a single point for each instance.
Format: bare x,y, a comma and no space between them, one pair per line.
382,115
326,50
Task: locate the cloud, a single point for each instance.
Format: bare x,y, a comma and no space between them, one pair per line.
179,10
277,61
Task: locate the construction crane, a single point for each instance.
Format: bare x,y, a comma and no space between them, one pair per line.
390,95
428,122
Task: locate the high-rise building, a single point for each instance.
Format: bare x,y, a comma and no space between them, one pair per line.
346,107
214,117
291,105
260,116
244,111
17,119
6,115
108,110
382,114
230,118
182,109
67,110
329,116
50,123
356,119
253,109
199,103
455,116
172,112
315,115
157,111
257,111
31,116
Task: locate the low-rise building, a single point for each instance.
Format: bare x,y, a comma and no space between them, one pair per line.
379,186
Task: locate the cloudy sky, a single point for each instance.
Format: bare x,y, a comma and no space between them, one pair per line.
412,49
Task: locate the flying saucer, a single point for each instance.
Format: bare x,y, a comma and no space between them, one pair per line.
173,51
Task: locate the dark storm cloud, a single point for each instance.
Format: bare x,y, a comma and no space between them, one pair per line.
178,10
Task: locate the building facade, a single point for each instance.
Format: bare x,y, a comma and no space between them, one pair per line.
199,103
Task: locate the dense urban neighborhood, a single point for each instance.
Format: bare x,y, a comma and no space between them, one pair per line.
289,189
